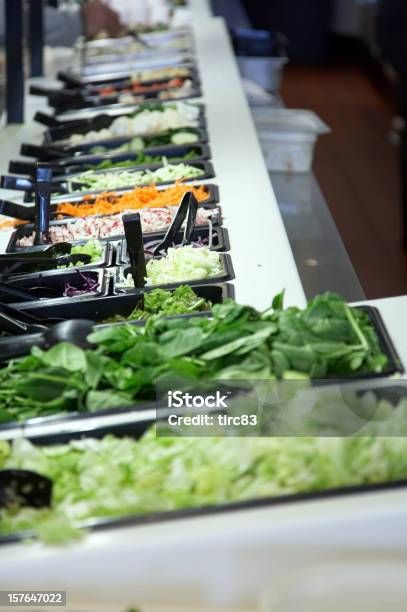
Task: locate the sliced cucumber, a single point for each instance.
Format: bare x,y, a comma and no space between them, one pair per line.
181,138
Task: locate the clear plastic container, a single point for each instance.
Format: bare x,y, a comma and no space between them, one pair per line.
288,137
265,71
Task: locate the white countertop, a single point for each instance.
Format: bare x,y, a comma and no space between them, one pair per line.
224,559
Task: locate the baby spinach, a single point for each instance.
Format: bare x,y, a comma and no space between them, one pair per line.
326,339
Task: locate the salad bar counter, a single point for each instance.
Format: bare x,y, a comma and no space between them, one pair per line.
141,244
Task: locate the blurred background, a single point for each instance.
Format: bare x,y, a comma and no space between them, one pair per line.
345,60
346,63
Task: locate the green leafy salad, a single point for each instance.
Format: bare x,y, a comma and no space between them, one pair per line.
166,303
327,339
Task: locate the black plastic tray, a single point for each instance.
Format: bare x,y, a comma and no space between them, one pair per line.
104,307
73,81
220,241
27,213
55,279
82,163
395,365
58,150
79,122
94,89
25,230
227,275
59,184
62,103
135,429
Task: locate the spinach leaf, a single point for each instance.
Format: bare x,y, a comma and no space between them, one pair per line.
102,400
65,355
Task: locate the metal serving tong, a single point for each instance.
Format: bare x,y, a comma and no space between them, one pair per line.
188,210
24,488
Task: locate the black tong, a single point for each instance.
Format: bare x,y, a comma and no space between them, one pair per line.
43,186
50,258
16,322
135,247
24,488
187,209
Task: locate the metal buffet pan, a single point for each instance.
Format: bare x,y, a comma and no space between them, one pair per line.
26,212
137,159
182,41
137,426
147,63
130,48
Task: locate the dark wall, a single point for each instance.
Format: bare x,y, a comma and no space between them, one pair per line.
306,23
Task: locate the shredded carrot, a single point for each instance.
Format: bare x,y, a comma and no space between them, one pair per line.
141,197
10,223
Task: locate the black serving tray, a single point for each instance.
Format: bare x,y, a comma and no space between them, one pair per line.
105,307
75,424
55,280
113,78
395,365
82,163
25,230
80,122
62,102
60,184
220,241
27,212
58,150
135,428
227,275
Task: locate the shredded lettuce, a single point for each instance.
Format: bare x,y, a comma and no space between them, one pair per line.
115,477
93,247
183,264
114,180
